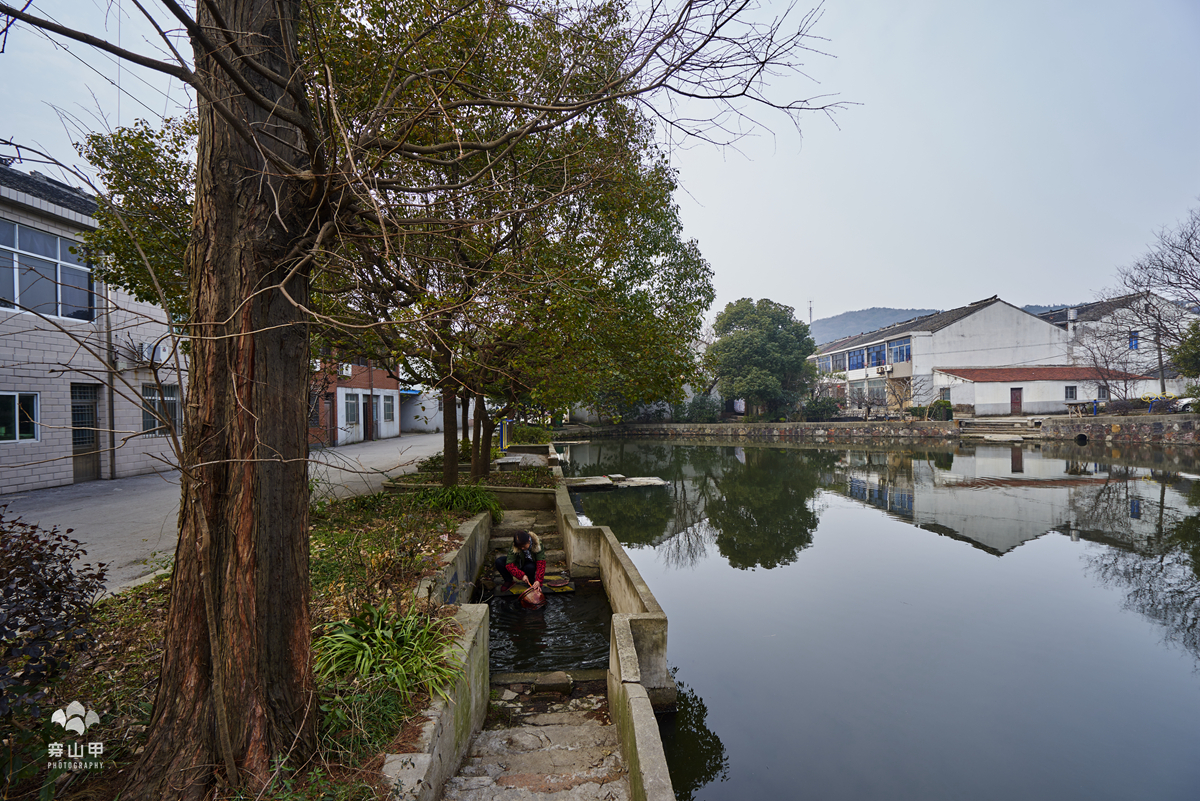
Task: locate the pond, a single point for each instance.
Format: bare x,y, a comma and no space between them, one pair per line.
970,622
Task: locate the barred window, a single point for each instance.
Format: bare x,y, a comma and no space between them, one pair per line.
160,409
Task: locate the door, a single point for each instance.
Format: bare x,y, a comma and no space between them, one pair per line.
1014,400
85,439
368,419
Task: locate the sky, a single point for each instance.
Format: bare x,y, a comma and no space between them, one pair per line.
1021,149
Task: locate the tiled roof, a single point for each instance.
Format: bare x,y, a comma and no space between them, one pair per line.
930,322
48,189
1039,373
1088,312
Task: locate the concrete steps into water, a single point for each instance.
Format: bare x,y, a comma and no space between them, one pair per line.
547,736
1001,429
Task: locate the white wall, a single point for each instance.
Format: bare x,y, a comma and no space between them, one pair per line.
997,336
349,432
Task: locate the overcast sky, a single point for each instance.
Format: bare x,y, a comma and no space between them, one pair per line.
1019,148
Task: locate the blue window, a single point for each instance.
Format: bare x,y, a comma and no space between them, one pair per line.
823,364
855,360
900,351
877,355
1133,340
1135,508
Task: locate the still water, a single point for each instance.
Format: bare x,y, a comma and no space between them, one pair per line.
967,623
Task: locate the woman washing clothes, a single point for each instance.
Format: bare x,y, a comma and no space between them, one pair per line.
526,560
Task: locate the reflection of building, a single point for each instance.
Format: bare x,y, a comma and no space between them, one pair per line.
997,498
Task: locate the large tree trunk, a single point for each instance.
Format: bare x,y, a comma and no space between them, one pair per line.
480,458
236,687
449,439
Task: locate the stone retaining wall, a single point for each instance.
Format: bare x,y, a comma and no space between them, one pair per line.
1177,428
785,432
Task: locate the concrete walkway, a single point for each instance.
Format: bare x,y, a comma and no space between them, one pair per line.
131,523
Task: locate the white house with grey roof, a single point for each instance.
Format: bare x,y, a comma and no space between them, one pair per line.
91,384
986,333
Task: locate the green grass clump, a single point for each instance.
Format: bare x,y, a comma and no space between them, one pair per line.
468,498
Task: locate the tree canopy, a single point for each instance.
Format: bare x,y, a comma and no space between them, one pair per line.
760,354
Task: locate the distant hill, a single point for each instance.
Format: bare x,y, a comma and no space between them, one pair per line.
841,325
845,324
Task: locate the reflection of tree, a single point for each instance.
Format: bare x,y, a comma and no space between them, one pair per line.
695,755
1162,584
765,513
637,516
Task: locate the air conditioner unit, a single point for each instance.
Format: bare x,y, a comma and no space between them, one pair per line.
314,365
887,368
153,353
346,370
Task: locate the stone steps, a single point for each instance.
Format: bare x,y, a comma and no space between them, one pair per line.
538,744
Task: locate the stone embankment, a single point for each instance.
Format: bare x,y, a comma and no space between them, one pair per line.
1175,428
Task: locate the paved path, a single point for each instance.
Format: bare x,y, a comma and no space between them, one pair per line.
131,523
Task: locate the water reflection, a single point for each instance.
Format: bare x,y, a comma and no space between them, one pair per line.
1161,577
933,623
696,756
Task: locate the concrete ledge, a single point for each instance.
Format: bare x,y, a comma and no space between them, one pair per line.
455,581
641,745
594,551
447,734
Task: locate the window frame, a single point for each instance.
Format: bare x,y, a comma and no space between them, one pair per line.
36,421
856,359
900,348
389,408
22,261
157,405
1070,392
876,355
1134,339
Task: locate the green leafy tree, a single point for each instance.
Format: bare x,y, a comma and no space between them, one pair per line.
1186,355
298,181
144,215
761,354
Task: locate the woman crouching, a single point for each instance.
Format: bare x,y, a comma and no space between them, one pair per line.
525,560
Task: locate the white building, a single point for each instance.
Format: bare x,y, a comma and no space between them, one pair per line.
91,384
1036,389
1129,334
901,361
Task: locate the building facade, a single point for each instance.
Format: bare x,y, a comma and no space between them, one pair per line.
897,366
92,382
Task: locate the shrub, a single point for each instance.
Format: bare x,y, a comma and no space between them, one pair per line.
45,609
528,435
460,498
941,410
1119,406
408,651
821,409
